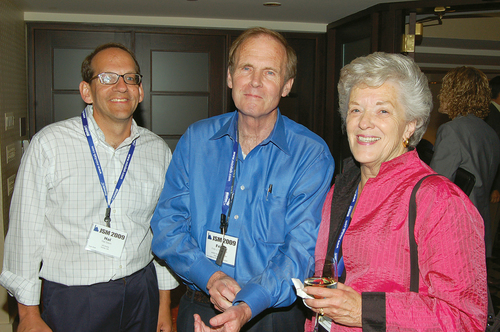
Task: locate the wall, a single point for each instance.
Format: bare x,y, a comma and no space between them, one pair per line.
484,28
13,103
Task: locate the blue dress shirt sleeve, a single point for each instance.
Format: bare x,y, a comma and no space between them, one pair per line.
295,257
171,224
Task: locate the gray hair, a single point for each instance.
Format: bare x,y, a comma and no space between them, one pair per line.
374,70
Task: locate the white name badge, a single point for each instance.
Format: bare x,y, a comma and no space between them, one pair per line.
106,241
213,244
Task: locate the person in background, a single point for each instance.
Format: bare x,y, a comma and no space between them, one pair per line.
467,141
79,220
493,119
385,103
253,181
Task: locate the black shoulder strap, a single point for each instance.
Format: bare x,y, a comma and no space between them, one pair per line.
493,320
412,215
346,184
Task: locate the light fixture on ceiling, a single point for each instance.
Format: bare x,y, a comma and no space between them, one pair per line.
272,4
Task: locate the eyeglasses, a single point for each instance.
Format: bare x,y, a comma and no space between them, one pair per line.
112,78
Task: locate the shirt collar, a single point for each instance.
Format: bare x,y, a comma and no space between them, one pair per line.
400,161
277,136
496,105
96,131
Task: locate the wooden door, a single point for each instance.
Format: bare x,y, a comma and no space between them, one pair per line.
54,67
184,80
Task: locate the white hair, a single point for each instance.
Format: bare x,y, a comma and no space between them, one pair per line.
374,70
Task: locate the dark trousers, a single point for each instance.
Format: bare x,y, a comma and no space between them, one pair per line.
289,319
129,304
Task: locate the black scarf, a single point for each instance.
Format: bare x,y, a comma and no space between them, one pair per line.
345,187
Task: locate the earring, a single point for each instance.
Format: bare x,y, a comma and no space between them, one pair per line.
406,143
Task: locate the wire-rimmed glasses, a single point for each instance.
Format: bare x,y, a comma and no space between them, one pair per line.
112,78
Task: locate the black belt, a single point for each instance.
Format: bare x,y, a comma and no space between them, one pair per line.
198,296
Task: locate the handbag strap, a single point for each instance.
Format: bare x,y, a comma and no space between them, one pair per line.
493,320
412,214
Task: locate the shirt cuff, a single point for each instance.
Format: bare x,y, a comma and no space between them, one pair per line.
166,278
255,296
373,311
25,291
201,271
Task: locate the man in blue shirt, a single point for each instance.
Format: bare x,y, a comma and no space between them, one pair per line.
240,211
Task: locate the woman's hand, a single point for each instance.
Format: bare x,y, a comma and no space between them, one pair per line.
342,305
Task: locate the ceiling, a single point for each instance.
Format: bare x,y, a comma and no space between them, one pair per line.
304,11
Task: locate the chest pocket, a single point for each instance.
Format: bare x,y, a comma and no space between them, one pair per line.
272,212
146,196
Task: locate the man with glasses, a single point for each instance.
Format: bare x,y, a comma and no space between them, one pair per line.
79,220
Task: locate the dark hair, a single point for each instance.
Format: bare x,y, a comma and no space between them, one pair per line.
465,90
291,57
88,71
495,87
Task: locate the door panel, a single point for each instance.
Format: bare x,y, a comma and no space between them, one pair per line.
184,74
184,80
56,60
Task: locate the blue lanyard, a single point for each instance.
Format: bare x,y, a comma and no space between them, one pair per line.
98,168
340,264
227,201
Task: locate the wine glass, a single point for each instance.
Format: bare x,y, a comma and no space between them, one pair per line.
325,275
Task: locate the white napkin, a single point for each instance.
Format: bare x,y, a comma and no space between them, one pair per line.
326,322
299,286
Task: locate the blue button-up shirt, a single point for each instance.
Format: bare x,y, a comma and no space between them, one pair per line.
277,229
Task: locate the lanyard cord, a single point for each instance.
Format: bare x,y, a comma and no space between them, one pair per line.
97,164
227,202
340,265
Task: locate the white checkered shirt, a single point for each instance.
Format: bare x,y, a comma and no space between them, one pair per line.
58,197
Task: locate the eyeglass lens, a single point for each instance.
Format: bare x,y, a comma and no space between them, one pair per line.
112,78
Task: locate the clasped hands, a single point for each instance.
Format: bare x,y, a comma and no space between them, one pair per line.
223,290
342,305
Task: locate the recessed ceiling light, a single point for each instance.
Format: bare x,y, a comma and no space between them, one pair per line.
272,4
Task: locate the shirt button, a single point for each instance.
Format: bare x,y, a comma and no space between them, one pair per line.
120,266
236,217
242,187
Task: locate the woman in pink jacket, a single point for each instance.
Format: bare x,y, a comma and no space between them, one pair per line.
385,104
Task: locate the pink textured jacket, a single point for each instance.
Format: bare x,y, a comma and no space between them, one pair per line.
449,234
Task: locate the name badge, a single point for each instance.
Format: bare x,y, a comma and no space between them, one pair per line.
213,244
326,322
106,241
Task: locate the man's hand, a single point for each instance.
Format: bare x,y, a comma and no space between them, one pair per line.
222,289
30,319
164,314
495,196
231,320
